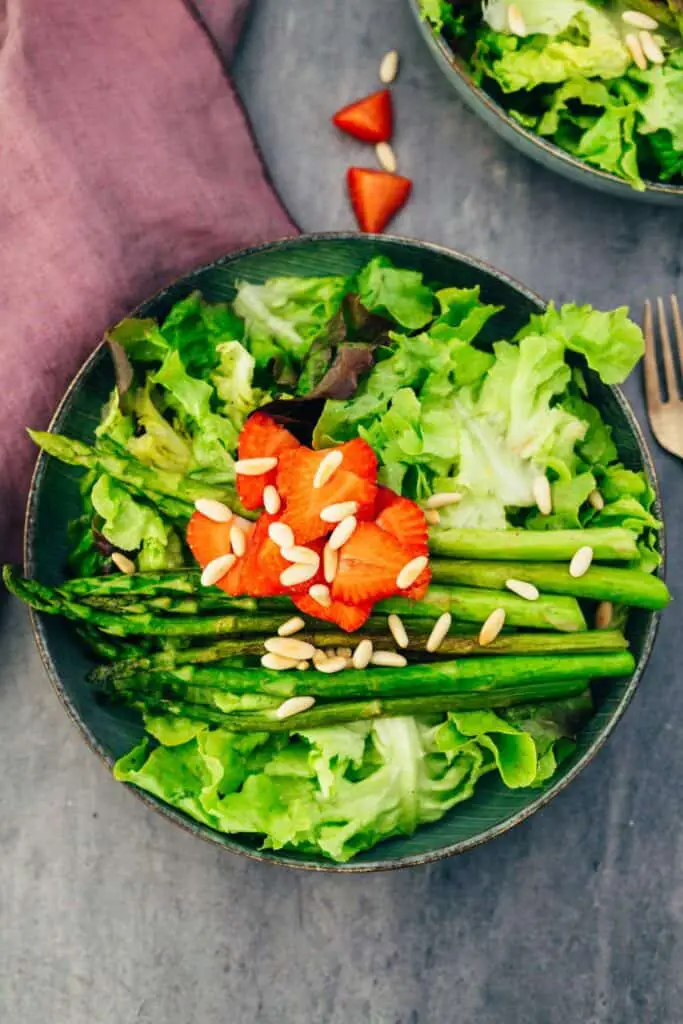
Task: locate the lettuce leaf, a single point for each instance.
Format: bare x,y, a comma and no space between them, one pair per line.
131,525
399,294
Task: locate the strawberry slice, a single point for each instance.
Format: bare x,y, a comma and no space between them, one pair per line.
347,616
208,540
261,436
359,458
369,563
369,119
265,563
403,519
296,473
376,196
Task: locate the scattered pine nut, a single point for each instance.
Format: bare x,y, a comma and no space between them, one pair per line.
651,48
302,666
443,498
603,615
410,572
580,563
244,524
281,534
386,157
342,532
362,654
439,632
277,662
289,647
516,22
291,626
214,510
294,706
492,627
329,465
388,67
330,563
297,573
333,664
271,500
432,517
542,495
319,657
238,541
335,513
398,630
217,569
639,20
123,563
636,50
344,652
301,555
523,589
255,467
320,592
596,500
388,659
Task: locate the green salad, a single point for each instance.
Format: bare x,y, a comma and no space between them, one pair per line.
602,80
478,656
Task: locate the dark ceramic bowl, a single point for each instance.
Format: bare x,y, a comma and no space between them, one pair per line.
54,500
539,149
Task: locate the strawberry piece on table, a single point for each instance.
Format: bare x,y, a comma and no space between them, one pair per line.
261,436
359,458
376,196
208,540
347,616
369,119
304,502
369,563
403,519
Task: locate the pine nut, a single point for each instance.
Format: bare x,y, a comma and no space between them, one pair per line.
344,652
301,555
516,22
388,67
281,534
238,541
289,647
438,634
651,48
291,626
294,706
297,573
277,663
329,465
334,664
492,627
639,20
214,510
432,517
543,495
603,615
123,563
244,524
362,654
319,657
320,593
217,569
443,498
255,467
388,659
386,157
271,500
330,563
636,50
398,630
523,589
580,563
596,500
302,666
342,532
335,513
410,572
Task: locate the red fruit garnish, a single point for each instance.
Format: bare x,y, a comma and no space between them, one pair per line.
403,519
347,616
265,563
369,563
376,196
208,540
369,119
296,473
261,436
359,458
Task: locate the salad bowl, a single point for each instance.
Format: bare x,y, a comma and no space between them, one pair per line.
528,142
54,503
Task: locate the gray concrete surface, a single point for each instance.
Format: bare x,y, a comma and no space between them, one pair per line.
110,915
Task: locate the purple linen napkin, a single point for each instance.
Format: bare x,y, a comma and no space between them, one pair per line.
125,160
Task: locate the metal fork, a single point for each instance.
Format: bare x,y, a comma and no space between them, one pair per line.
666,417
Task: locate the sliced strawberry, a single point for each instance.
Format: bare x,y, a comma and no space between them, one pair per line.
376,196
369,563
296,473
347,616
261,436
403,519
359,458
369,119
208,540
265,564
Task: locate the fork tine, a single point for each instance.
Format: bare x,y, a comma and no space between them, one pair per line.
667,353
678,329
651,372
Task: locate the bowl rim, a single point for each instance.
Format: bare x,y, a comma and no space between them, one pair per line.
445,53
284,858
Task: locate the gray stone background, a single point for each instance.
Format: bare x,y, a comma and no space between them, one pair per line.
111,915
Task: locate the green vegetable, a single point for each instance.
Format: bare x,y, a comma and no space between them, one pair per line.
614,544
398,294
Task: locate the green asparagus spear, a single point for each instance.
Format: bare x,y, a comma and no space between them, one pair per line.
181,581
613,544
630,586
